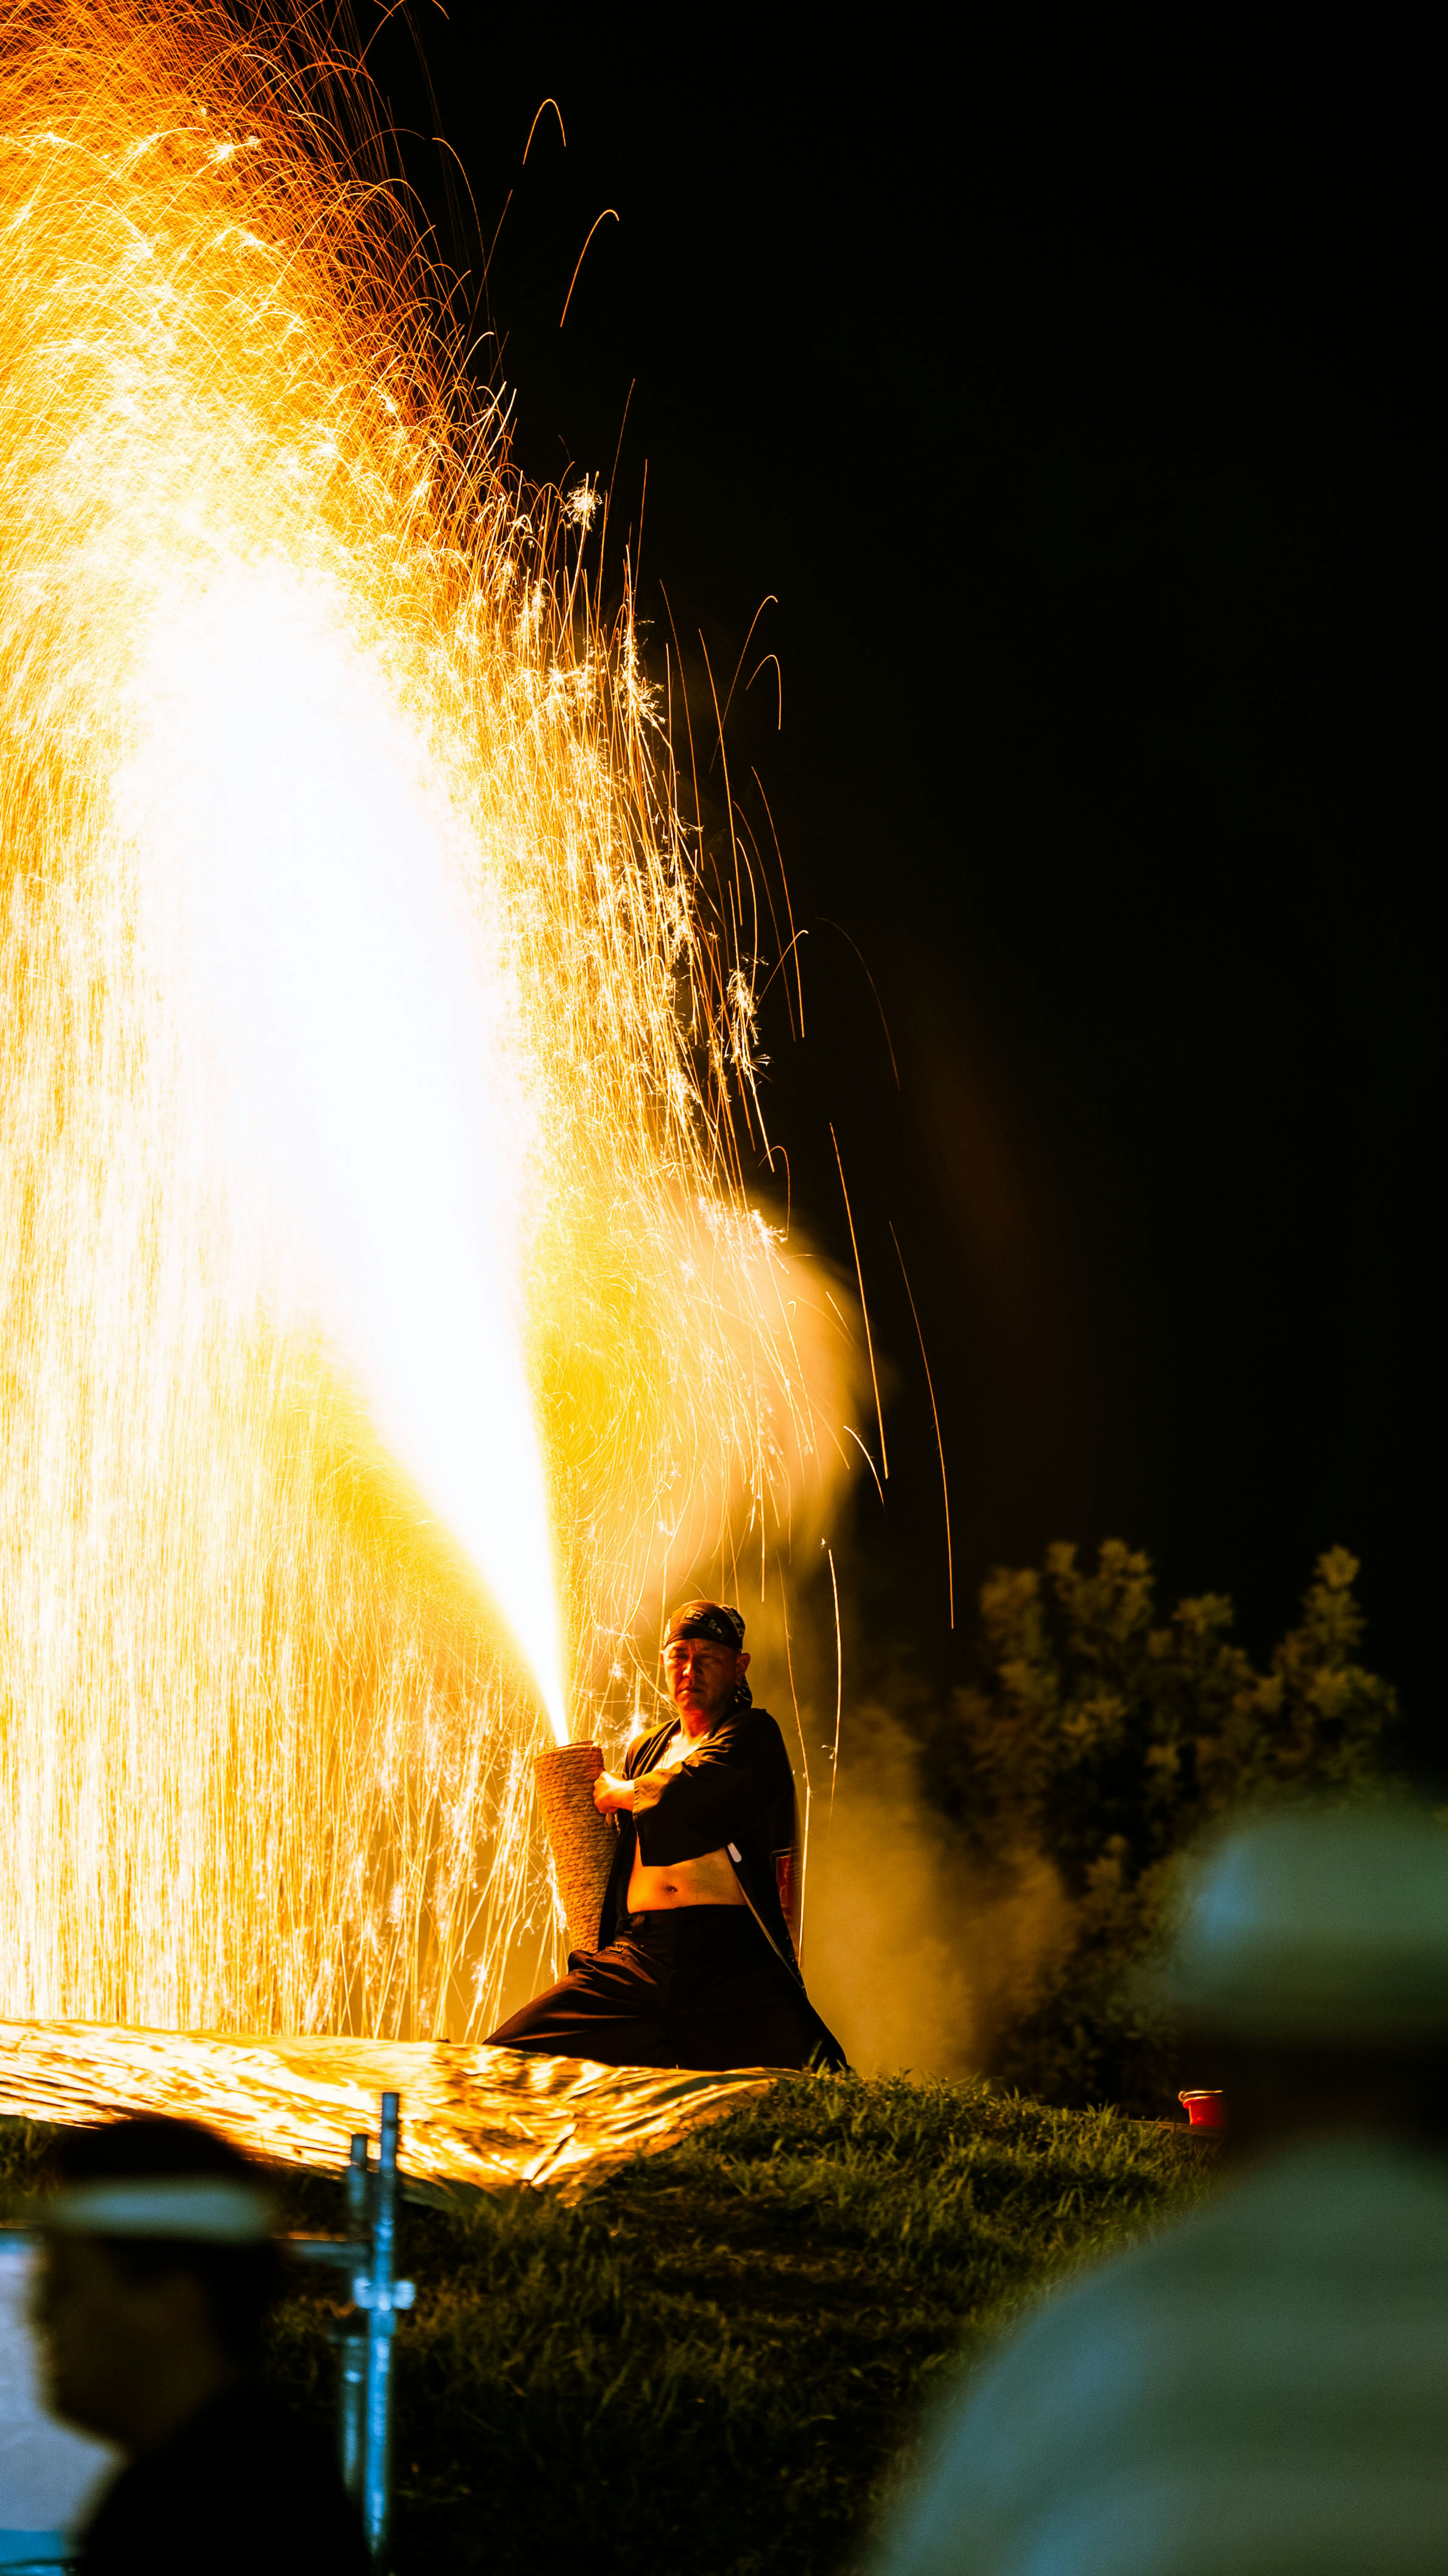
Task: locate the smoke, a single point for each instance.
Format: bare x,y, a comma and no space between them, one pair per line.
915,1959
745,1360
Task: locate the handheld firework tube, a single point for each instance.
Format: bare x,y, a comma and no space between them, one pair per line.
583,1842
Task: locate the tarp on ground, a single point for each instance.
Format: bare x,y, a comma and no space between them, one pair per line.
479,2118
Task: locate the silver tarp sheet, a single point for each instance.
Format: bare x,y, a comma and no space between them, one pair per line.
484,2118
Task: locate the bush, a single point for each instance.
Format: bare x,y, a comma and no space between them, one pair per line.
1103,1741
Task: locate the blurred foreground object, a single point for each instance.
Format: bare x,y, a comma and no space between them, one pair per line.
49,2476
158,2273
1308,1926
1265,2386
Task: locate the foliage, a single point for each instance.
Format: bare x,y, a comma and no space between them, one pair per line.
717,2357
1104,1742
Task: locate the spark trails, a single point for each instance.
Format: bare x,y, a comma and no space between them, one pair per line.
384,1323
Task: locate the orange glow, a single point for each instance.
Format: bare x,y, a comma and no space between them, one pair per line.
383,1321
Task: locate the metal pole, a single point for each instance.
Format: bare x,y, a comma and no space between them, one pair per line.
352,2340
364,2396
377,2474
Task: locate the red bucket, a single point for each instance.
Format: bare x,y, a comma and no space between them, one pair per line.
1205,2110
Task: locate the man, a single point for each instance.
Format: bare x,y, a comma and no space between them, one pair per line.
1263,2387
696,1965
159,2270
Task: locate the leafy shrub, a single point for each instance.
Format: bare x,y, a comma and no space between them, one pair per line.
1103,1740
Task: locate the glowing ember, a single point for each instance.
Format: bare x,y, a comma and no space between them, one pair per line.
368,1189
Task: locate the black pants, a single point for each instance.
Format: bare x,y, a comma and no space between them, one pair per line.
696,1986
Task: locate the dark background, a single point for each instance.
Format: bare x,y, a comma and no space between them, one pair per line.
1074,406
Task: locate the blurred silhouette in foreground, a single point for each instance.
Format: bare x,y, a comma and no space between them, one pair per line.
158,2275
1263,2386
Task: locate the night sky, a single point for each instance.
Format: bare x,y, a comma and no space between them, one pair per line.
1074,407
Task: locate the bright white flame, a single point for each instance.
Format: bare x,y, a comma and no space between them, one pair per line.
365,1036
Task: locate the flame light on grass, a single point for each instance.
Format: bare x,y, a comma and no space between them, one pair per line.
383,1321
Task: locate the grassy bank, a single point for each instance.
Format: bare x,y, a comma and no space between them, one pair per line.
717,2358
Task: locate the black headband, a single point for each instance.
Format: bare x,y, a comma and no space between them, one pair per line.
709,1622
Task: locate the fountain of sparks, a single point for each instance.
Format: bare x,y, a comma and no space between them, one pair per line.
383,1323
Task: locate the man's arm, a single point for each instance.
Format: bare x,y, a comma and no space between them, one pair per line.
734,1777
634,1796
703,1802
614,1792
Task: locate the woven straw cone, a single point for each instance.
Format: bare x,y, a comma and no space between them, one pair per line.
583,1842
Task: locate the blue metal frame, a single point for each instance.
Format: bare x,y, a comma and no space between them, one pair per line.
380,2294
364,2340
351,2339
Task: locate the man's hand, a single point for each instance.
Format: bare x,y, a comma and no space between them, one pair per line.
609,1794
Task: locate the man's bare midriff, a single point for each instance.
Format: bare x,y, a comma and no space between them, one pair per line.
709,1880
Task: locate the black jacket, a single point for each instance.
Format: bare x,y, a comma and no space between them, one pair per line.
241,2489
734,1794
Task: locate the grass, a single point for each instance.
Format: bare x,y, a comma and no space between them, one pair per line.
716,2360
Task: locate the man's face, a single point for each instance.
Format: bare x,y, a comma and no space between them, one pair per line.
102,2335
702,1676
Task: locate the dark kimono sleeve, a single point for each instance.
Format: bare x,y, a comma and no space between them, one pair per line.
738,1774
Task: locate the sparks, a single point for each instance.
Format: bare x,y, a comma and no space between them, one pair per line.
374,1260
